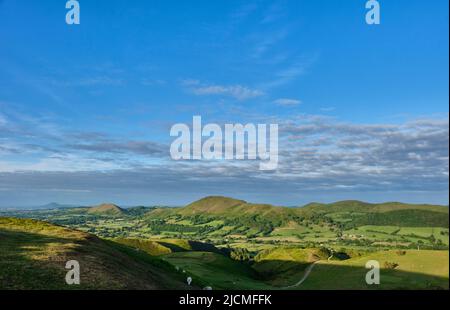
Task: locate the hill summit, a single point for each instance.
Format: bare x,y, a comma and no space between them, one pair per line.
225,206
107,208
214,204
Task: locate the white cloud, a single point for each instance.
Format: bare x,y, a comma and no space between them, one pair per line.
238,92
67,163
317,153
287,102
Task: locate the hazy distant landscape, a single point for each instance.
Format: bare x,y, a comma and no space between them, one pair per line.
227,243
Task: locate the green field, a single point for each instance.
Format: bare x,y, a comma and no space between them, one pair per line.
216,270
416,270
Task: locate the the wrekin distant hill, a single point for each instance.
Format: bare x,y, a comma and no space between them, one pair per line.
227,243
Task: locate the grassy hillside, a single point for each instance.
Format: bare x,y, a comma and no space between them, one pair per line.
213,205
106,208
166,246
161,213
282,266
153,248
360,206
404,217
33,256
215,270
229,207
213,213
217,218
415,270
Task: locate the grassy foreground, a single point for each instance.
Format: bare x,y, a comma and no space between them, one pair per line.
33,255
416,270
282,268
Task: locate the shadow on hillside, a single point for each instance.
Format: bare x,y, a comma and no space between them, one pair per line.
193,245
172,247
202,246
286,274
269,270
25,260
16,244
36,261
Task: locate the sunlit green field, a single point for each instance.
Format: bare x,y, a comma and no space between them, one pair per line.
216,270
416,270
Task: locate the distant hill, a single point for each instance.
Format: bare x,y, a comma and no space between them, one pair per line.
33,255
47,206
55,205
213,204
220,205
360,213
230,207
106,208
139,210
360,206
353,212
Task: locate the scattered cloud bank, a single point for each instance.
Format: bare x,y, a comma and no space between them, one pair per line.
317,154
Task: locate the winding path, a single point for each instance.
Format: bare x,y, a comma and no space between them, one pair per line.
306,274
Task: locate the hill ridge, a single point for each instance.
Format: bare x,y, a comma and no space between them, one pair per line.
217,204
108,208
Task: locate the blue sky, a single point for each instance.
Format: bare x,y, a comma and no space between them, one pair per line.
85,110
